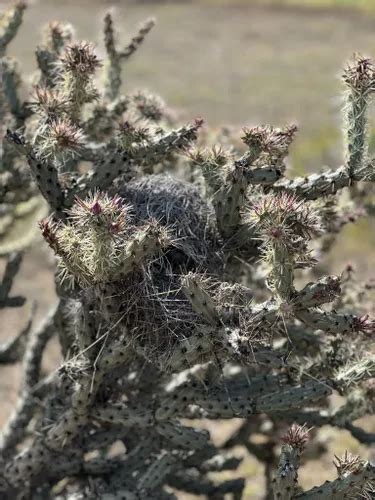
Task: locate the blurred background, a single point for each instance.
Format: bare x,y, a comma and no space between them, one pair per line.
237,63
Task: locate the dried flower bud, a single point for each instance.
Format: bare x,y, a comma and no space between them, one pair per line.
347,464
364,324
65,137
269,139
112,211
359,75
284,216
49,232
96,208
149,106
297,436
49,102
80,59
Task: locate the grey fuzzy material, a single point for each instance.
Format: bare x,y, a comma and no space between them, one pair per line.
180,207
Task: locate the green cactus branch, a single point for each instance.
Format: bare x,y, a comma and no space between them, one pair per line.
10,21
116,57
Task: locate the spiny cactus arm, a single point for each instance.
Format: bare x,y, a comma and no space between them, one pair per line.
285,484
44,173
360,83
27,464
102,124
293,397
178,398
137,457
86,333
14,430
13,350
314,294
130,494
211,163
11,81
60,465
56,36
173,141
157,472
116,56
256,385
11,269
285,224
319,418
77,67
220,345
145,243
183,437
327,183
333,322
358,404
202,303
67,428
359,78
137,39
121,161
113,68
42,464
47,65
263,176
197,348
135,415
354,372
10,21
114,355
104,172
360,434
35,348
304,340
230,198
286,480
62,433
102,439
150,107
100,465
356,476
220,403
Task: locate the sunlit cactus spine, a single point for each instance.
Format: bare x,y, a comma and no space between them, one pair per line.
187,288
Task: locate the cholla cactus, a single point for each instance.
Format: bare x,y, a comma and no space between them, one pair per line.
177,300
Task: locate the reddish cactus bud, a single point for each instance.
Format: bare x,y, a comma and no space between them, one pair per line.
364,324
297,436
49,233
359,74
347,464
96,208
80,59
